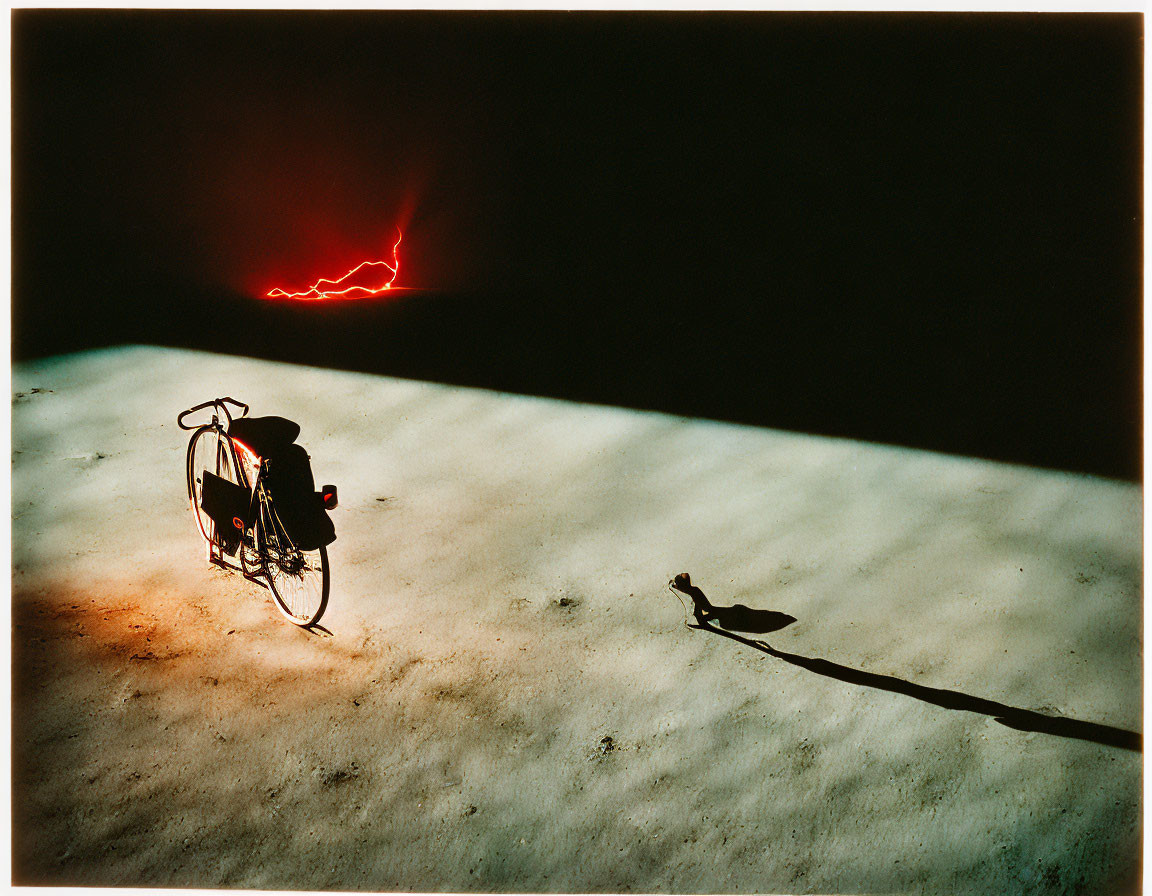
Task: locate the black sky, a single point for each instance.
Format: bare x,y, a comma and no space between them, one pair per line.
923,229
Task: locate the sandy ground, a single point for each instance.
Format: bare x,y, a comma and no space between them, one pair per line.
507,697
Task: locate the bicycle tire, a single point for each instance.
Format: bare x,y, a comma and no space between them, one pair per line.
299,580
208,449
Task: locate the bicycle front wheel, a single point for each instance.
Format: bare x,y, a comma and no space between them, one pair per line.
209,451
299,580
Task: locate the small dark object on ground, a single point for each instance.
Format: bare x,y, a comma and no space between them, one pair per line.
737,618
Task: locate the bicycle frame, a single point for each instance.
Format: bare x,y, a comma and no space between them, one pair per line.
265,553
243,460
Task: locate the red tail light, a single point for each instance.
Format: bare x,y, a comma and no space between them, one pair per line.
328,497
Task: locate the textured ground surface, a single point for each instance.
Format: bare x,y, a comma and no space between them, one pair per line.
507,697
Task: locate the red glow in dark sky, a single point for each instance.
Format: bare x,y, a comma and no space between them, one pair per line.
354,290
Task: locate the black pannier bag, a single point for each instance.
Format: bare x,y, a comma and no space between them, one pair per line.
298,504
229,505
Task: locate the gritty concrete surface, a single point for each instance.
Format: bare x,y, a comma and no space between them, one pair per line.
506,697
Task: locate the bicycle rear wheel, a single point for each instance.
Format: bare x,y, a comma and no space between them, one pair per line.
208,450
299,580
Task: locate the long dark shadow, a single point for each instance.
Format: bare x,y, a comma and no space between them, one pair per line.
1010,716
475,339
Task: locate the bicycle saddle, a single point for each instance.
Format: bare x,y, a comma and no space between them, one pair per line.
264,434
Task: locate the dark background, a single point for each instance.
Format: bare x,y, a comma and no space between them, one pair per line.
915,229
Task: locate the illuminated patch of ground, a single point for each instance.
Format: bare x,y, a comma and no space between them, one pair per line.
506,697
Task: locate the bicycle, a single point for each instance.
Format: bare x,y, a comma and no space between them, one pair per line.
229,455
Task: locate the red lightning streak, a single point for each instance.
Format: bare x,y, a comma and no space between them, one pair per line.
315,292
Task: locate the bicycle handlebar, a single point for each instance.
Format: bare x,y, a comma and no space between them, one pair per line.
215,402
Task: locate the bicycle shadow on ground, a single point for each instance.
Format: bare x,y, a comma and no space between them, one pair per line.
1009,716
